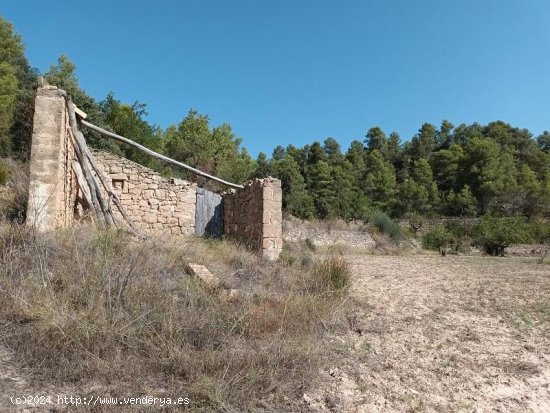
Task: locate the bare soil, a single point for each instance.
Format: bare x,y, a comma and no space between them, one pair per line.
443,334
433,334
18,381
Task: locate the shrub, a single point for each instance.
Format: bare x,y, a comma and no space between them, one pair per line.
415,221
542,232
494,234
13,204
460,228
4,174
386,225
99,307
331,274
439,238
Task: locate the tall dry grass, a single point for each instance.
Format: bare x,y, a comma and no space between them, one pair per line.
101,310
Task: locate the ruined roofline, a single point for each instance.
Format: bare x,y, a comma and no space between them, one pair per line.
156,154
69,182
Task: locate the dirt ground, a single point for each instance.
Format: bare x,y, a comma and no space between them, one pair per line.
443,334
434,334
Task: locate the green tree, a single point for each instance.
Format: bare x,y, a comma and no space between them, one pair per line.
8,96
347,201
333,152
495,234
17,97
523,196
263,168
419,193
278,153
232,161
320,185
128,121
439,239
460,204
543,141
296,199
413,197
424,142
487,170
215,151
379,183
375,139
355,155
446,164
63,75
192,143
444,136
315,153
299,154
394,150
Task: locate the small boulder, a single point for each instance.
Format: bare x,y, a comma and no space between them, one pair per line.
203,274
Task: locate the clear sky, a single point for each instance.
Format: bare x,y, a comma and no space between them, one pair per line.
295,71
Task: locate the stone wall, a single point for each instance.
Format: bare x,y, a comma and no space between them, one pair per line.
152,202
430,223
254,215
52,181
322,233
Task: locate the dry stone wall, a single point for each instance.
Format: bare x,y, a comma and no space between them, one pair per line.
254,215
152,202
327,233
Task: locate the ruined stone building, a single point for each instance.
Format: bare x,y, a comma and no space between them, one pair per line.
151,202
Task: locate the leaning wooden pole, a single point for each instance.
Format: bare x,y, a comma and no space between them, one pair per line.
100,205
156,154
87,158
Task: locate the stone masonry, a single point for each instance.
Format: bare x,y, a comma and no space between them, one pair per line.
52,187
152,202
254,215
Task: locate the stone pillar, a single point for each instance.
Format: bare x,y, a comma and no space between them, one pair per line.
47,165
272,218
253,215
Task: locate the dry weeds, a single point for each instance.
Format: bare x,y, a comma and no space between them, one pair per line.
111,316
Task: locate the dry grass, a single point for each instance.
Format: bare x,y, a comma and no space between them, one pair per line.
99,310
14,193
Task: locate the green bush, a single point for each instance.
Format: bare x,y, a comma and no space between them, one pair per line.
541,232
386,225
460,228
439,238
415,221
4,174
494,234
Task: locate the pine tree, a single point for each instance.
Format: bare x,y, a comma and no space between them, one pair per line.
296,199
379,183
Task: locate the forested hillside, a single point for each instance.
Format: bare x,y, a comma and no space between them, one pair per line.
467,170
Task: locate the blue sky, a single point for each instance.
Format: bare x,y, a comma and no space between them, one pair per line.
283,72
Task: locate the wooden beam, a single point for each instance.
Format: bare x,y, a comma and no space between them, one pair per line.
156,155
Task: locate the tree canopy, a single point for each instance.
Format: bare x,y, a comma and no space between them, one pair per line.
467,170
